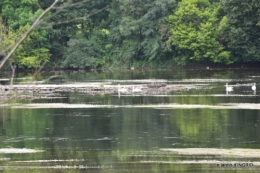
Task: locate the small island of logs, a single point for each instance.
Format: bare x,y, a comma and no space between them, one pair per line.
36,91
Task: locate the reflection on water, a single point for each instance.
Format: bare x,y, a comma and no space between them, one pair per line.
104,133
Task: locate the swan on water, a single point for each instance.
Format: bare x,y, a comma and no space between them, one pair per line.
253,87
122,90
135,90
229,88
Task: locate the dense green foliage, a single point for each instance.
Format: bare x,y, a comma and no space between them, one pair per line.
244,34
90,34
82,52
196,31
139,30
18,16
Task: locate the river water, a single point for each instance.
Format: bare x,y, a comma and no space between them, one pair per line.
198,128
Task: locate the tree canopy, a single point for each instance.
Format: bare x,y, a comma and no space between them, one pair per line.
244,33
90,34
196,28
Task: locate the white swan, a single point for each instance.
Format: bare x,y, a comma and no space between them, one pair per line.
122,90
135,90
229,88
253,87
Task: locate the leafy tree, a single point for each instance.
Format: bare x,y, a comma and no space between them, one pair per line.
25,54
33,53
197,29
138,29
19,16
37,47
244,34
77,21
87,52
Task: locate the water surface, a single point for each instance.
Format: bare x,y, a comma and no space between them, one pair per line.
128,133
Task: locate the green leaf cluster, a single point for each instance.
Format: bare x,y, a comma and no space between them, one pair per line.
138,30
196,31
18,17
87,52
243,37
132,32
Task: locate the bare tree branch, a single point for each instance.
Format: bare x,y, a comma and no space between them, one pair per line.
64,6
38,71
24,36
68,5
13,67
8,98
75,19
39,5
8,52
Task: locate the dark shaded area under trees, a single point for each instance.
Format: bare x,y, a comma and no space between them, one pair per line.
128,33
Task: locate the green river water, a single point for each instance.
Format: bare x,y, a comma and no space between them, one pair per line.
195,129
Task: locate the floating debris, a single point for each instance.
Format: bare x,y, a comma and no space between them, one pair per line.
33,92
4,80
18,150
4,159
234,152
55,167
55,160
158,106
230,163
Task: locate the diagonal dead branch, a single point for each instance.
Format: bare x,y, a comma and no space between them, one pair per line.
24,36
65,6
75,19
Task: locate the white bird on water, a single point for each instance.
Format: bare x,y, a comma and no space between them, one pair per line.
229,88
136,90
253,87
122,90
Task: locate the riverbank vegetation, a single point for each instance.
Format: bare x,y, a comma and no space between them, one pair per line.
128,33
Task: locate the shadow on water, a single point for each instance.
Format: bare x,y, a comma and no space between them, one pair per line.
198,132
